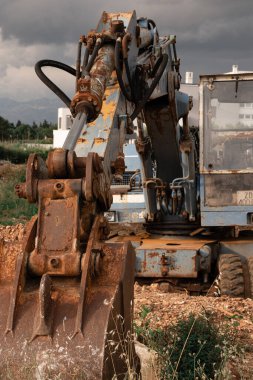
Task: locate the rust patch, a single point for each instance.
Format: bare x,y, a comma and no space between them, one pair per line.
185,244
81,140
171,251
99,140
153,254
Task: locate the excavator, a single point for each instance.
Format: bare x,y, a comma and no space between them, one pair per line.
67,298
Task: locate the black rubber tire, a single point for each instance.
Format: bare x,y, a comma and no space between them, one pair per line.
250,268
231,278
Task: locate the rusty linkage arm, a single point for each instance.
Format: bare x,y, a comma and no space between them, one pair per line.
72,193
69,191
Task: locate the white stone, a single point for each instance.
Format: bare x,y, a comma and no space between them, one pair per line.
148,359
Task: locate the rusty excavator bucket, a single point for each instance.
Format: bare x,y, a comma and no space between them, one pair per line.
66,299
55,327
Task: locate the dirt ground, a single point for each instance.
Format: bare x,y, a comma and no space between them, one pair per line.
166,308
234,313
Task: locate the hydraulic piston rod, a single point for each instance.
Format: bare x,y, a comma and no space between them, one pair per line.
74,133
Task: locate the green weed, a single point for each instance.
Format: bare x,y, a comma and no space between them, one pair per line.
194,348
13,209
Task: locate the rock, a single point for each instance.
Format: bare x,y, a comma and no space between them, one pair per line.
148,359
164,287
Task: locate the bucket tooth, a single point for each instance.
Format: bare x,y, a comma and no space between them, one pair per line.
20,274
44,315
15,292
86,274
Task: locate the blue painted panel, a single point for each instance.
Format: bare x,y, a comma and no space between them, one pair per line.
222,216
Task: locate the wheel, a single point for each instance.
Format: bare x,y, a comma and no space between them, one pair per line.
250,268
231,279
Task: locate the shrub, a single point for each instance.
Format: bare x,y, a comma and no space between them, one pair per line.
18,153
193,348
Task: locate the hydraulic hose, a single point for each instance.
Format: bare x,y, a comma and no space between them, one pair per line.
48,82
156,67
93,56
151,22
129,79
156,79
62,66
85,59
126,39
78,60
119,70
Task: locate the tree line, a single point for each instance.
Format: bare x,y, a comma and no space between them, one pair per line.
25,132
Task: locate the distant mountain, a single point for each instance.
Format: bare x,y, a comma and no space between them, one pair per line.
36,110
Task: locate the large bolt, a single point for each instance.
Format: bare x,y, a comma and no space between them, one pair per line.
55,263
59,186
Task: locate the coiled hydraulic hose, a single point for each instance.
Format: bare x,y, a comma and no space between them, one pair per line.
157,72
62,66
149,92
48,82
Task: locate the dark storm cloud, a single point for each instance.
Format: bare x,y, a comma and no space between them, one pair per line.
202,21
35,21
211,34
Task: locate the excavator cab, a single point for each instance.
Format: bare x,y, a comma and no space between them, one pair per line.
226,157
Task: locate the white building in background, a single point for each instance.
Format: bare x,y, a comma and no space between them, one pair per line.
192,90
245,113
229,113
64,123
232,114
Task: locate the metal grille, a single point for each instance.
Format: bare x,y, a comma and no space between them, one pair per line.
126,179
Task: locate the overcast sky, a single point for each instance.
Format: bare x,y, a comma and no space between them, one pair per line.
211,36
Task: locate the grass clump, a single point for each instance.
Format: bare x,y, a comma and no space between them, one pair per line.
194,348
13,209
18,153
